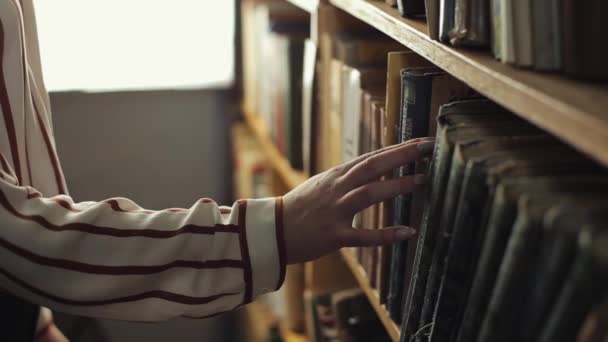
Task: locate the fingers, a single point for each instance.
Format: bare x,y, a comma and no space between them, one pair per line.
378,191
374,166
350,164
352,237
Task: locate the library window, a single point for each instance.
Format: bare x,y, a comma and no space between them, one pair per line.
112,45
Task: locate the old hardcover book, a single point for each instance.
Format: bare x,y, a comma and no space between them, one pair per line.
309,107
446,19
355,81
496,27
491,121
522,31
471,23
432,18
560,231
583,28
464,239
497,218
416,85
547,34
585,285
411,8
504,315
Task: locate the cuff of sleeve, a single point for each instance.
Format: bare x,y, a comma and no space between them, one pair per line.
266,244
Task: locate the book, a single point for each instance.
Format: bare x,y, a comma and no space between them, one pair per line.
416,86
522,32
560,231
309,107
497,219
583,27
471,23
496,26
451,120
411,8
463,239
354,82
504,315
432,18
446,19
547,33
585,283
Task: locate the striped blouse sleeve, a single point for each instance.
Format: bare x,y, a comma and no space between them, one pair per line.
113,259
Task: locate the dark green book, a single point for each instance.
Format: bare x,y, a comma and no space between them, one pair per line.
561,228
452,127
293,113
585,285
504,315
416,86
444,302
496,222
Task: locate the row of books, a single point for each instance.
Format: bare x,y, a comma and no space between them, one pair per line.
494,259
547,35
345,316
278,44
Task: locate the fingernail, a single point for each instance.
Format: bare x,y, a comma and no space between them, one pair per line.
405,233
420,179
426,147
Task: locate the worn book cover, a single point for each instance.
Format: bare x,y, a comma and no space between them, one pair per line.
471,23
522,31
534,196
547,34
416,85
451,128
585,285
496,222
560,231
463,240
432,18
446,19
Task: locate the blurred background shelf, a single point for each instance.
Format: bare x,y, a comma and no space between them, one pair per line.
372,294
291,177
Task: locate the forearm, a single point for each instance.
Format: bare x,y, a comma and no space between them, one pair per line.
113,259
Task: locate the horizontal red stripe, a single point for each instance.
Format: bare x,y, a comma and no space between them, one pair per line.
92,229
117,270
168,296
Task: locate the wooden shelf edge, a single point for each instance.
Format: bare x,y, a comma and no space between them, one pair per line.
573,111
291,177
372,294
309,6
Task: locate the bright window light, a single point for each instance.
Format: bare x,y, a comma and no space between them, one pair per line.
109,45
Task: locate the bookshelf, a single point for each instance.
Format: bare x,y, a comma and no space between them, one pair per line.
572,110
372,294
291,177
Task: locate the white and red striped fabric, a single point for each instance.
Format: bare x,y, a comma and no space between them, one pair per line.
112,258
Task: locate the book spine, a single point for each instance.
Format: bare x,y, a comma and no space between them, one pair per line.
461,257
586,282
503,317
500,222
496,24
446,19
294,113
427,236
436,271
415,103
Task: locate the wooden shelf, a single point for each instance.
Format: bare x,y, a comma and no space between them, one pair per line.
309,6
572,110
291,177
372,294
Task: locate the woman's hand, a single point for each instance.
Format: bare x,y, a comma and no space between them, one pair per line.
318,214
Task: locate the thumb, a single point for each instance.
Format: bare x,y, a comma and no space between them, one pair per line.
352,237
